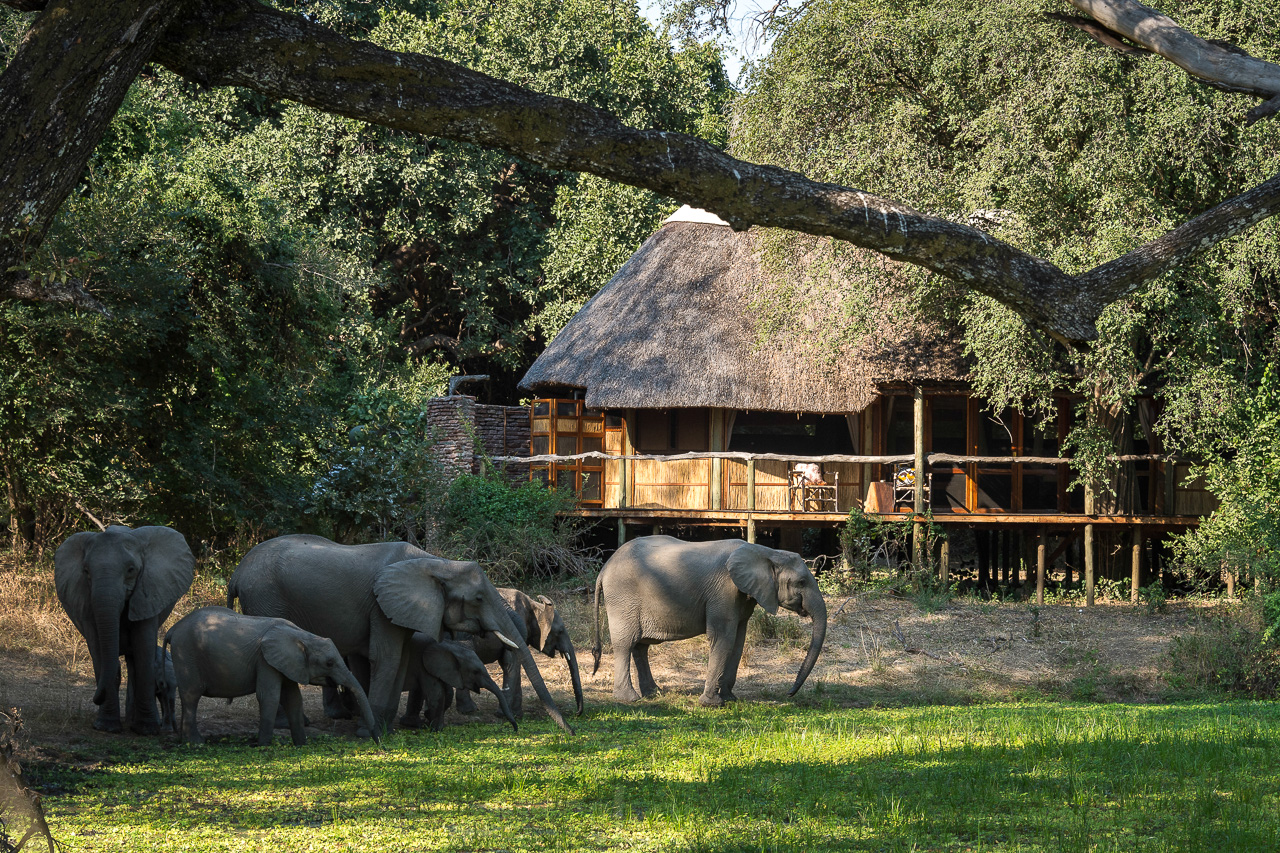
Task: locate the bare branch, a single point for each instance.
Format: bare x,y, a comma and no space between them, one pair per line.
71,291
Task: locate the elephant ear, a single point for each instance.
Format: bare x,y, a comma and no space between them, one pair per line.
409,594
286,653
545,612
752,572
168,567
440,661
72,582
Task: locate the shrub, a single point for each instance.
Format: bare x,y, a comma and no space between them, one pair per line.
1234,651
869,545
514,530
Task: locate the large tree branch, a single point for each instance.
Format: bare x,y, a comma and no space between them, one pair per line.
284,56
1225,67
57,97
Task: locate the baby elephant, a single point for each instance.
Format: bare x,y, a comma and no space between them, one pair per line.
436,670
221,653
166,692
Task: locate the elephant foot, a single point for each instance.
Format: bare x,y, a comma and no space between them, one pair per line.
408,722
465,705
145,728
337,713
714,700
626,695
282,721
108,725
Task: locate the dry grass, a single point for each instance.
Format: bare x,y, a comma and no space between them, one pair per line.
880,650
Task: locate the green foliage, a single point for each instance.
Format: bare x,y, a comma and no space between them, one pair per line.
1243,534
672,776
992,114
878,552
513,529
1231,650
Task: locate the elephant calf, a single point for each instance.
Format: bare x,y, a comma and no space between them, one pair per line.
436,670
220,653
658,588
542,629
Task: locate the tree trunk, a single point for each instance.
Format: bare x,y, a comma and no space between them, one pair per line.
57,97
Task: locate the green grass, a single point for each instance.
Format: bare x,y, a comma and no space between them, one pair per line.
667,775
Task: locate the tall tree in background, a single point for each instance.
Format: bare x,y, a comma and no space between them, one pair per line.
999,116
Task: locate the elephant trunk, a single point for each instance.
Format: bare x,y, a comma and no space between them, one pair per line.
500,622
106,617
492,687
350,682
817,610
572,657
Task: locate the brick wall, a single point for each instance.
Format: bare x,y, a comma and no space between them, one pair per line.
467,431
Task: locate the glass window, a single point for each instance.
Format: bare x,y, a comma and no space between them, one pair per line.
590,486
566,478
566,445
566,408
592,443
947,422
541,408
540,445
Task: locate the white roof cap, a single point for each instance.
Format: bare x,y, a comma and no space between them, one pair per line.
695,214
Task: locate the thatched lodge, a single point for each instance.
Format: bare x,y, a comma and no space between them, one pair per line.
714,381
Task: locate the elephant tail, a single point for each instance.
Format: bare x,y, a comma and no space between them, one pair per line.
595,634
232,592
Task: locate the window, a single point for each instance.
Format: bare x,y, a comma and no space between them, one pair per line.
569,428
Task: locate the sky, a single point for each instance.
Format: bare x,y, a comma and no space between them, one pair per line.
743,42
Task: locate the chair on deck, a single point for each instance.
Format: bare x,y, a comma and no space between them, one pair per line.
808,490
904,485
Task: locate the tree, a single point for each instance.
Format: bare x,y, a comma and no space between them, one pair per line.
284,55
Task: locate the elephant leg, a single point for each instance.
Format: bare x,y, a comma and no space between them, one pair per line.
108,719
730,675
648,686
389,657
291,701
623,648
334,707
187,728
412,717
268,691
511,684
722,645
465,702
141,688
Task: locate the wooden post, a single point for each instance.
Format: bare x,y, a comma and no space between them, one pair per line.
1088,565
718,443
1043,534
622,533
944,567
751,529
628,470
917,537
1136,581
751,485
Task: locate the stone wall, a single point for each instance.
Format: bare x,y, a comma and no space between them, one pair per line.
467,431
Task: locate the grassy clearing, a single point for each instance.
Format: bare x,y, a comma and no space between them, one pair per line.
667,775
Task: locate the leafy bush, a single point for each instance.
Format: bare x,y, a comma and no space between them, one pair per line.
868,545
1232,651
515,530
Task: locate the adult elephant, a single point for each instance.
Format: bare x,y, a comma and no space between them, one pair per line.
369,599
657,588
118,586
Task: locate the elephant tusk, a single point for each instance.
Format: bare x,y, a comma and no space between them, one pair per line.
505,640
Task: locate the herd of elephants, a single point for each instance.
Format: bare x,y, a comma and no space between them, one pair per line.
370,621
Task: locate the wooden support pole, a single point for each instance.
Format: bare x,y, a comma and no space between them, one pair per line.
751,530
1041,538
718,442
917,537
751,484
622,533
1088,565
944,564
1136,581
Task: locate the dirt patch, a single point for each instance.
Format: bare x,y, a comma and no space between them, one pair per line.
880,650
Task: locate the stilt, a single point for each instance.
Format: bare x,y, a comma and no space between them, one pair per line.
1040,563
622,533
1088,565
944,563
982,538
751,530
1136,581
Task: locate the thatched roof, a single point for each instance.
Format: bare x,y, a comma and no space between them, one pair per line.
680,325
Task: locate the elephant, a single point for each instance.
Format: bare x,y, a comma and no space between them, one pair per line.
436,671
166,690
369,599
658,588
118,586
220,653
543,630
